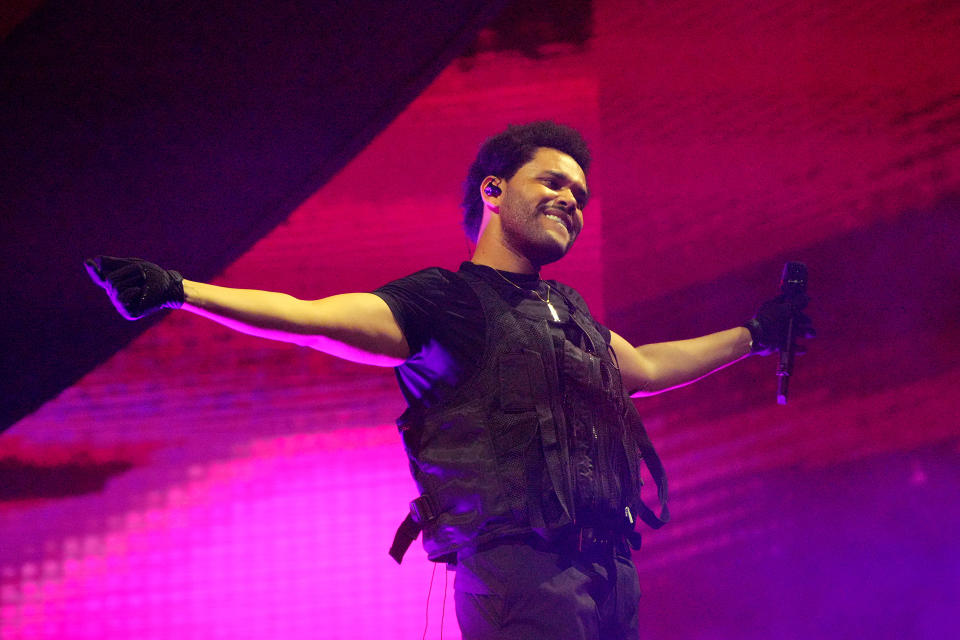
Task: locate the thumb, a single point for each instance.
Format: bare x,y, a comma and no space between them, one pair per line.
93,269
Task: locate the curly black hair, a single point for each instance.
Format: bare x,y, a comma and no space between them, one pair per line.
503,154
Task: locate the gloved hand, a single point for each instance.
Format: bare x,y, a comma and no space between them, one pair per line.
136,287
768,328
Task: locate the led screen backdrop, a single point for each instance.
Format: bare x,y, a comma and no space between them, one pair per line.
202,483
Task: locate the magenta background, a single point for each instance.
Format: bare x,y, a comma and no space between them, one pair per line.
258,485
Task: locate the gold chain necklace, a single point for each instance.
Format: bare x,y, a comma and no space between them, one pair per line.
546,301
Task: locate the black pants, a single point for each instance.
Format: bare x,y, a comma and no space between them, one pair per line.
516,591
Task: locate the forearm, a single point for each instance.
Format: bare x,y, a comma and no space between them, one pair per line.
674,364
266,314
357,327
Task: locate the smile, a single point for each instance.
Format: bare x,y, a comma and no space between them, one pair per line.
558,219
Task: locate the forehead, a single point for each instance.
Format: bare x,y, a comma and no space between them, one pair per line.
548,159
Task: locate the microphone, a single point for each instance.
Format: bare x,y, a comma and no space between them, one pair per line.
793,283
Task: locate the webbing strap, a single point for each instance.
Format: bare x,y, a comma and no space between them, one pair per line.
407,532
551,441
422,509
652,461
552,447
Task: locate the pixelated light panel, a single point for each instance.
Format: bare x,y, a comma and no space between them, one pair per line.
833,517
287,539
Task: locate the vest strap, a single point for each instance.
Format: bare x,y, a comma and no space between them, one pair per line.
407,532
423,509
552,428
652,461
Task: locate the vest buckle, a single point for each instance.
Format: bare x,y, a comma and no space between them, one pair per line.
424,509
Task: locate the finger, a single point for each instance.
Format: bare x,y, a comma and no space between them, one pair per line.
129,296
93,270
109,263
129,275
805,326
798,301
127,303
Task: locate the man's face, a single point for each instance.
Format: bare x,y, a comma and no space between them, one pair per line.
541,213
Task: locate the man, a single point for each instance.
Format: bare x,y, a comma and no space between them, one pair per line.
520,433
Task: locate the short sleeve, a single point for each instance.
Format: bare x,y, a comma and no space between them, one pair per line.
443,323
435,305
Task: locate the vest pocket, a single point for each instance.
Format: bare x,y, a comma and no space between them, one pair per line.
516,426
516,388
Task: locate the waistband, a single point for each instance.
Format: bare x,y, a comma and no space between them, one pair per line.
593,541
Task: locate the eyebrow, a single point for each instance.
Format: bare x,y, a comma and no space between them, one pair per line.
583,193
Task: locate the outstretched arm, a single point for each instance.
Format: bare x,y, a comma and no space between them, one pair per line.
356,326
652,368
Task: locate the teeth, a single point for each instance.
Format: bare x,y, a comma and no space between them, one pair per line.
558,219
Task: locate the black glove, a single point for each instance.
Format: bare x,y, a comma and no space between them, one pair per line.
768,328
136,287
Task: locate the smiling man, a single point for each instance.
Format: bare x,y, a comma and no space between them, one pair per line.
522,439
536,215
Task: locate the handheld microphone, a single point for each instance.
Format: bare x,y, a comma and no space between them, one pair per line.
793,283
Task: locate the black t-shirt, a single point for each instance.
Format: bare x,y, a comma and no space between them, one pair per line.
444,325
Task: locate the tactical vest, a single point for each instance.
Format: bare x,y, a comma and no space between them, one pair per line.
540,438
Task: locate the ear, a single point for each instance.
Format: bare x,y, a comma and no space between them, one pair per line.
491,192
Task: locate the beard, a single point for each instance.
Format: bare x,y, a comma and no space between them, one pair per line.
527,235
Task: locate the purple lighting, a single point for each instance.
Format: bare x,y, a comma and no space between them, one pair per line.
203,483
286,539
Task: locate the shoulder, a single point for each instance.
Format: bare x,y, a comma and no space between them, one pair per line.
425,277
431,284
425,287
430,303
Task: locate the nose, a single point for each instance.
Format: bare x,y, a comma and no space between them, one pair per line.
566,200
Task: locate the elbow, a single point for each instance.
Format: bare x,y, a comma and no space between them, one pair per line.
647,391
359,352
655,380
642,387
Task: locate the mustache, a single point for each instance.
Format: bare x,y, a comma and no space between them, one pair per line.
569,221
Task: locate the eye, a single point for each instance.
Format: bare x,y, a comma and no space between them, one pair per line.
581,199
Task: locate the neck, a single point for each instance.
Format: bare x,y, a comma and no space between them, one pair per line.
502,258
